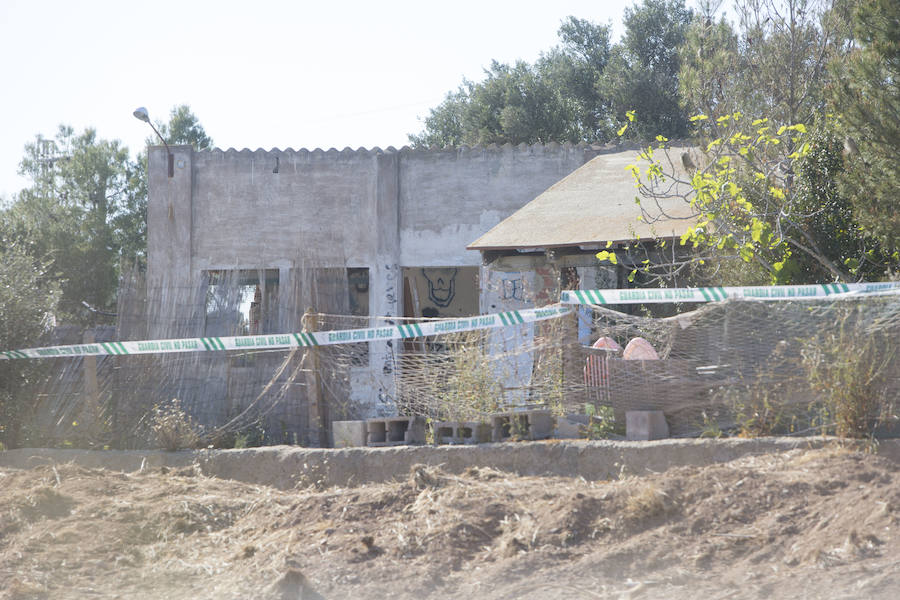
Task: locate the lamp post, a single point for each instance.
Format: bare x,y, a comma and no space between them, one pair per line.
141,113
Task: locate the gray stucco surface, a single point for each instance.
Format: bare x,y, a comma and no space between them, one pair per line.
362,208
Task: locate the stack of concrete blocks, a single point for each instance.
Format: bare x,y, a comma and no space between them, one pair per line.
395,431
522,425
645,425
349,434
461,432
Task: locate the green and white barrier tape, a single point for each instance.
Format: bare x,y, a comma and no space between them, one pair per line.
295,340
716,294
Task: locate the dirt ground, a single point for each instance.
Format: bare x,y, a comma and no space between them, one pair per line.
802,524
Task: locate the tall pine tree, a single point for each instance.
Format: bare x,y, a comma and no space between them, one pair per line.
866,95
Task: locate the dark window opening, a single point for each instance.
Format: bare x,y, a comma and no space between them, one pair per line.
358,297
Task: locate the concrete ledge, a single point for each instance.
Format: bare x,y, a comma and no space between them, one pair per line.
287,466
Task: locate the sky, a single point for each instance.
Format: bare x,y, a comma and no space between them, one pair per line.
272,74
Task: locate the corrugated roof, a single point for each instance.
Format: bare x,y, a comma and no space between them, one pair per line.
461,149
594,204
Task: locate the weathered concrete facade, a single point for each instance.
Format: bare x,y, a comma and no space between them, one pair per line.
393,212
376,209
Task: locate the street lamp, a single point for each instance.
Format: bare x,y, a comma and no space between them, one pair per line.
141,113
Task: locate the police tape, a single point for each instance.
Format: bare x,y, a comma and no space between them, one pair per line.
717,294
294,340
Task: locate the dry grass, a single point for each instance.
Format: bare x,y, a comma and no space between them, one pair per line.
854,369
45,501
647,502
20,589
172,428
480,533
836,449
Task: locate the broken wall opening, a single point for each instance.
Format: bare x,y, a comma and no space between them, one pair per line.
241,302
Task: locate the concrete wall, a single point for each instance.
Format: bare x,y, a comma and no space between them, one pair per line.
285,467
366,208
318,204
449,198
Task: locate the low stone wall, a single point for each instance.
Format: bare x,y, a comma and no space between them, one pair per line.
114,460
287,466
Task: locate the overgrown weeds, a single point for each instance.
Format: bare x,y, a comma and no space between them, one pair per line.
172,428
771,400
472,389
853,367
840,381
601,421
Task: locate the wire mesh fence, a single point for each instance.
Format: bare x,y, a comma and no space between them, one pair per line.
732,367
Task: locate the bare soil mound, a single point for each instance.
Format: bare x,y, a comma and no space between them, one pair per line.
803,524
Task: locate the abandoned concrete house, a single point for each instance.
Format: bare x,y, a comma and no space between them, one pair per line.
395,223
245,242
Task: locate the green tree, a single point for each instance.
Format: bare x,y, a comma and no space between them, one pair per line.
774,64
825,213
444,124
576,68
129,220
78,184
764,189
555,99
749,200
184,127
866,94
86,211
642,75
785,49
514,104
710,62
27,301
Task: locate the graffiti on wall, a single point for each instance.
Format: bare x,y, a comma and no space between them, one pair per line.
390,297
441,291
441,285
513,289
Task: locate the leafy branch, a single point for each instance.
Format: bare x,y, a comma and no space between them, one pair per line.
751,194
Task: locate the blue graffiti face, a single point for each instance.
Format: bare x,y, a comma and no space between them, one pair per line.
441,285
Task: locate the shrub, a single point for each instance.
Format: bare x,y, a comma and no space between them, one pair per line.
853,367
172,428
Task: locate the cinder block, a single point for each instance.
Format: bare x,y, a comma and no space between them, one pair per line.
643,425
461,432
522,425
395,431
348,434
572,426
